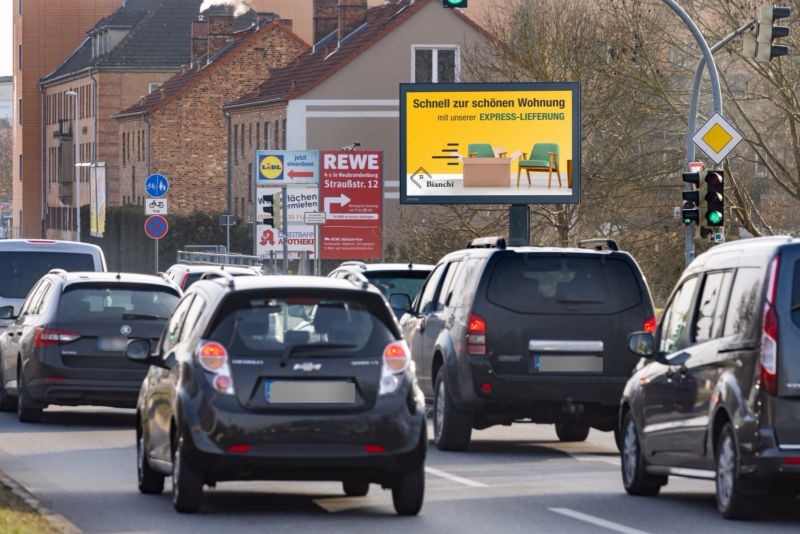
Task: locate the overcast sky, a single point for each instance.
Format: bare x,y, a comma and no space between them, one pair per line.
6,37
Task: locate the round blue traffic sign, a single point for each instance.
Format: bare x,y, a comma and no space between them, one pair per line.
156,185
156,227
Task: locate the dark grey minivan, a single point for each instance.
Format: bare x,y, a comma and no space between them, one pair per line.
718,393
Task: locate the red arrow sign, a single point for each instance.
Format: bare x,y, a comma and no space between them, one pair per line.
300,174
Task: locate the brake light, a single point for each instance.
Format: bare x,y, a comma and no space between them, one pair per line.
240,448
374,449
476,335
768,360
44,337
650,325
213,357
396,359
184,280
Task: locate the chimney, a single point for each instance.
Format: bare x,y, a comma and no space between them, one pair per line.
199,38
352,14
325,21
220,31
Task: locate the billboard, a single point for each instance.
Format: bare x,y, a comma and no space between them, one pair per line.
269,220
351,188
490,143
281,167
97,199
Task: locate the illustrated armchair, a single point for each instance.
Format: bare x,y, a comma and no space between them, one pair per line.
483,150
544,157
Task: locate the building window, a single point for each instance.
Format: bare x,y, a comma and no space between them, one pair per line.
235,143
19,7
250,135
241,140
283,138
152,86
19,110
266,135
19,56
434,64
258,135
20,167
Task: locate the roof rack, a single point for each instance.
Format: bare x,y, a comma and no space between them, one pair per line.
58,272
488,242
219,273
355,263
600,243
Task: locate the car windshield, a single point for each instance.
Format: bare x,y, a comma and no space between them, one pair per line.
534,283
106,301
258,324
398,283
19,271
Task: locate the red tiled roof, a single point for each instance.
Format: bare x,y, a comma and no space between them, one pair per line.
312,68
183,81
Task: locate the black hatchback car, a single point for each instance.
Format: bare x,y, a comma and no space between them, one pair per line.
718,394
67,346
280,378
527,333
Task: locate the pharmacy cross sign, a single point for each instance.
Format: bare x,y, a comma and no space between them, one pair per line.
717,138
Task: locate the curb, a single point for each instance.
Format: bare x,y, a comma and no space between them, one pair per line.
56,520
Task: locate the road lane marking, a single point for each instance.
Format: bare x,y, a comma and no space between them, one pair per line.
597,521
597,458
455,478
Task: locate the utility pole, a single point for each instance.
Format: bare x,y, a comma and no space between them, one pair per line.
74,95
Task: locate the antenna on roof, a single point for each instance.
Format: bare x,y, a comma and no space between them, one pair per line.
119,276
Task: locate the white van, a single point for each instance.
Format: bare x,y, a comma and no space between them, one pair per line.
24,261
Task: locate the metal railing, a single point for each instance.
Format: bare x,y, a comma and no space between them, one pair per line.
217,258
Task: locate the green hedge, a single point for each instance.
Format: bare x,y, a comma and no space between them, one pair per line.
127,248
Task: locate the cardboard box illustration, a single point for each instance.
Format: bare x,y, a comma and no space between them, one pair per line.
487,172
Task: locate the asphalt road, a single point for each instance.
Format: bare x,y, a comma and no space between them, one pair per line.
81,463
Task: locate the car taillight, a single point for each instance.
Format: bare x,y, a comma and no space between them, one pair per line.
213,357
396,359
768,361
476,335
184,280
650,325
47,336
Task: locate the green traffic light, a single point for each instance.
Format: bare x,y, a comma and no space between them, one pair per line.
687,221
714,217
455,2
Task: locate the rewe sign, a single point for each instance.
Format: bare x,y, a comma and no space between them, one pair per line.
351,193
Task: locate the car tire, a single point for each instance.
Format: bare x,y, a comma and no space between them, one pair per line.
150,482
8,403
409,491
187,485
355,488
570,432
732,503
27,411
634,471
452,428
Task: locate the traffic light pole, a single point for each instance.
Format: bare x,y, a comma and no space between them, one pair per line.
716,92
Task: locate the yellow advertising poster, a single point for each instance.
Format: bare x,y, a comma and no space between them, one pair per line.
490,143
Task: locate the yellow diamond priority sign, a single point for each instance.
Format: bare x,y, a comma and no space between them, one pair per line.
717,138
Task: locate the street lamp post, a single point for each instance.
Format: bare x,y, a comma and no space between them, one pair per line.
74,95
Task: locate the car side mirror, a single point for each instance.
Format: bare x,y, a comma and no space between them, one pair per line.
138,350
400,301
643,344
7,312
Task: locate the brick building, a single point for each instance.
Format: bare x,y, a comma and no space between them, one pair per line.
180,130
44,30
345,88
125,56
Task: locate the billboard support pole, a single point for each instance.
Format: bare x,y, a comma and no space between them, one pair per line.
285,210
519,225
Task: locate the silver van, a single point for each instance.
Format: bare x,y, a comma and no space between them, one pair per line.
24,261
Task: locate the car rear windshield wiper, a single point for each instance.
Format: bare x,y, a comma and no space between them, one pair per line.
287,352
134,316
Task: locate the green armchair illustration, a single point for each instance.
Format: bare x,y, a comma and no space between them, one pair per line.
482,150
544,157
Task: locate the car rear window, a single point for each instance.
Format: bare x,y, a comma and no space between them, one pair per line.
255,323
106,301
21,270
398,282
534,283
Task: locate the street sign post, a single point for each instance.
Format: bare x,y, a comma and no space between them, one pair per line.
156,227
155,206
156,185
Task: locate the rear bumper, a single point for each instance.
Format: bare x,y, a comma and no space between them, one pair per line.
293,446
768,461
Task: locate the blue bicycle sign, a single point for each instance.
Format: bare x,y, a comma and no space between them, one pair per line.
156,185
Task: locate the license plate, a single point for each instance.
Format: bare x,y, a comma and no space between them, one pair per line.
112,344
310,392
568,364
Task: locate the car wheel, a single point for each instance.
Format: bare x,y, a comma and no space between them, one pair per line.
634,471
150,482
353,488
187,486
452,428
731,502
27,411
409,492
7,402
572,431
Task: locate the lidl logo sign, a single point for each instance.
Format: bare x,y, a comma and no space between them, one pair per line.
717,138
271,167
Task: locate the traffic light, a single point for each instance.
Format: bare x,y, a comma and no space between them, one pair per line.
450,4
715,198
767,32
273,209
690,211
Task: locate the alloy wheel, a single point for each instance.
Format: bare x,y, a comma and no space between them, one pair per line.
726,471
630,452
438,413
